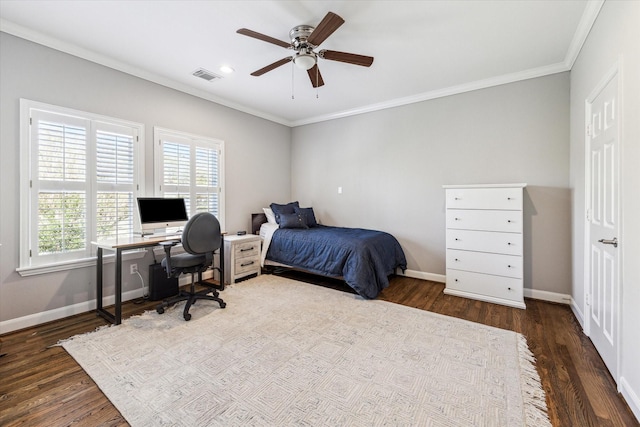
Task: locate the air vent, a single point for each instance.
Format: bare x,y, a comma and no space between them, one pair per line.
207,75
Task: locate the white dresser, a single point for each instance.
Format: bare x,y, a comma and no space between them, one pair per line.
241,256
485,242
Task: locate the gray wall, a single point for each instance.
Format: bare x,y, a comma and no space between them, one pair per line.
257,156
392,165
615,36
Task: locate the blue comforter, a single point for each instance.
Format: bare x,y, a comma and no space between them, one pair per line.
364,258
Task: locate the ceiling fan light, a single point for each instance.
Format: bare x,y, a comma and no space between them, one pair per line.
305,61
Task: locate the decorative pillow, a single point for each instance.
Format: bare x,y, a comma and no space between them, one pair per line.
271,218
308,216
278,210
292,220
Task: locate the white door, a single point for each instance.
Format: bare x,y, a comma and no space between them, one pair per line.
603,146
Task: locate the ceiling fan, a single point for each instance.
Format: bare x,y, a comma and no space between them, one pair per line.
304,39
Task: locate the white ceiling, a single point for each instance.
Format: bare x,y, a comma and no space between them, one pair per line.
422,49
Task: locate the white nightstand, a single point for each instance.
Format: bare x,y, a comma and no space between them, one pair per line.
241,256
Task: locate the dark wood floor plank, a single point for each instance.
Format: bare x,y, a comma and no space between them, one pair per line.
42,385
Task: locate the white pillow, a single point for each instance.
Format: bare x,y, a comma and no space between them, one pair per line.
271,218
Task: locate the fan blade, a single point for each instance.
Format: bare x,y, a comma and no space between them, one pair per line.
349,58
315,76
264,38
270,67
325,28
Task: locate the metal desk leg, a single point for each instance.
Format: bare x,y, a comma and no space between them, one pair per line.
99,281
118,318
100,310
221,256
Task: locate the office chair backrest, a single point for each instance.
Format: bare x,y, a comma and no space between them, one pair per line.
202,234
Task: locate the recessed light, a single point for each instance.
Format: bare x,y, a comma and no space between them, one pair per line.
226,69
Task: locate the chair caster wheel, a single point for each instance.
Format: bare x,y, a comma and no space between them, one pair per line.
223,304
160,310
187,317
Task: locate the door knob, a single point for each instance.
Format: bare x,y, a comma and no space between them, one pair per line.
613,242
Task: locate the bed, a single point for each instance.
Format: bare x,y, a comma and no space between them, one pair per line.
363,258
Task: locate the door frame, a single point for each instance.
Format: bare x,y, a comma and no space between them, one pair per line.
614,71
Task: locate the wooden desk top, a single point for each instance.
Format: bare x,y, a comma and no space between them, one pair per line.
136,242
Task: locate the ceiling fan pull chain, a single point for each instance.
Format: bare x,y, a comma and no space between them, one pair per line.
292,73
317,85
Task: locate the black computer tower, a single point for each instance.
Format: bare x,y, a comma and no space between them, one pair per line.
160,286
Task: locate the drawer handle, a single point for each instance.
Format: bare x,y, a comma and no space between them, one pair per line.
509,243
456,259
508,266
456,239
509,198
456,280
509,289
456,198
246,263
457,219
248,249
508,220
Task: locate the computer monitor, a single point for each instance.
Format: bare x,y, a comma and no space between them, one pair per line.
160,215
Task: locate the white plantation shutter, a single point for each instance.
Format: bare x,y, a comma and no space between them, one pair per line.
115,181
59,195
83,177
190,167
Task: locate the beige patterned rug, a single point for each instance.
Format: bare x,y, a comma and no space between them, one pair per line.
286,353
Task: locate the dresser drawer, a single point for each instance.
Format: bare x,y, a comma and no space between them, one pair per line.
480,262
248,249
485,220
485,241
499,287
484,198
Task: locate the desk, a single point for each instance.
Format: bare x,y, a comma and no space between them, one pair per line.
120,245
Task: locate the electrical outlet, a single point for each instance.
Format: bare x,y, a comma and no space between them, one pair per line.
134,268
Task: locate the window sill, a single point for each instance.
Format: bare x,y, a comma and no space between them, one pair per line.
78,263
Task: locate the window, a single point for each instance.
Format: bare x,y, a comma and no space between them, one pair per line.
80,176
191,167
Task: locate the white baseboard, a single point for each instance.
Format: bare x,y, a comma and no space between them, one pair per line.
415,274
62,312
79,308
547,296
577,312
630,396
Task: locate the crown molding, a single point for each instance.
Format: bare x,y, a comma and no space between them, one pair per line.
591,12
71,49
589,16
441,93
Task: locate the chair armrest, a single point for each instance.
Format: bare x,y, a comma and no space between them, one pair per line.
167,245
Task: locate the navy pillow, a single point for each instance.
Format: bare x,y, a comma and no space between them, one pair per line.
278,210
308,216
292,220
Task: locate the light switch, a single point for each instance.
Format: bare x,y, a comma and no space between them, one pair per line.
339,190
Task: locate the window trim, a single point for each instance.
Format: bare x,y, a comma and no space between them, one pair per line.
26,268
158,168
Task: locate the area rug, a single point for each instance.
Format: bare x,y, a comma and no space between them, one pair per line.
287,353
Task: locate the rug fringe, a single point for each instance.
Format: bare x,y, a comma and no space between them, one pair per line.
535,404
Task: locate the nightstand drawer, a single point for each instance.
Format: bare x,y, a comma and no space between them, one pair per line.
244,265
248,249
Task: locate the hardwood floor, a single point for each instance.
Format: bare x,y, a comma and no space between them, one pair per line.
41,385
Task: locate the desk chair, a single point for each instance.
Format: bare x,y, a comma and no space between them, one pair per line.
200,239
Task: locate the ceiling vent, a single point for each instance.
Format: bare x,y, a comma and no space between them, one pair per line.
207,75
